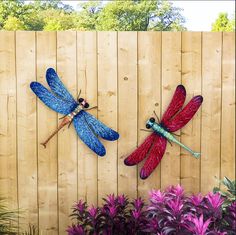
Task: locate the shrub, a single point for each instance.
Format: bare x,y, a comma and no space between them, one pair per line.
167,212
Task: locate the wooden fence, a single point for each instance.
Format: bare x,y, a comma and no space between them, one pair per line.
128,75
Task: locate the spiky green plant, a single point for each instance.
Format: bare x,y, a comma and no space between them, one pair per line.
8,219
230,194
32,230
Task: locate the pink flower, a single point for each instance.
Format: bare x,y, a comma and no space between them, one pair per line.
80,206
156,196
75,230
176,205
111,199
92,211
176,191
122,200
196,199
138,203
136,214
112,210
199,226
215,200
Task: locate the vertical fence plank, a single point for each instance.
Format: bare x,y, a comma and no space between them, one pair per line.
149,99
67,138
127,110
8,157
26,128
47,123
211,110
228,107
107,110
171,77
190,135
87,82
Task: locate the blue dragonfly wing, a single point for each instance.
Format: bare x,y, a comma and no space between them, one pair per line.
52,101
87,135
57,86
99,128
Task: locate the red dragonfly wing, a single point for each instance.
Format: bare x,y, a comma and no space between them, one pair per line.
154,157
141,152
185,115
175,105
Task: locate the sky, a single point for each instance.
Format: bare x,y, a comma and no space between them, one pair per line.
199,15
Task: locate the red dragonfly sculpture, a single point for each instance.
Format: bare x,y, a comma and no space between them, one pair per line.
154,145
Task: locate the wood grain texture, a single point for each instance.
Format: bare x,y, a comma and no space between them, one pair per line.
149,99
191,133
26,128
67,138
171,78
211,110
46,124
128,75
127,110
8,155
107,110
87,82
228,107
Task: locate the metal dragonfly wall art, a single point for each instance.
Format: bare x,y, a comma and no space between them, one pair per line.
61,101
154,145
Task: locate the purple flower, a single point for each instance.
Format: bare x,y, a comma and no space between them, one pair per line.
80,206
75,230
176,191
136,214
138,203
122,200
92,211
176,205
156,196
112,210
196,200
199,227
230,216
111,199
215,200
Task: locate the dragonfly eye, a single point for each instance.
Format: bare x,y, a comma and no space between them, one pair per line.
86,105
148,126
152,119
81,100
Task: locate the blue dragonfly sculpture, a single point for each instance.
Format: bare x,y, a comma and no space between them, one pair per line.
60,100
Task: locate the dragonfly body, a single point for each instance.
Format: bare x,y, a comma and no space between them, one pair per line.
161,131
60,100
174,118
67,120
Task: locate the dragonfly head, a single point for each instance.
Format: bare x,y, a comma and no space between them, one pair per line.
150,122
83,102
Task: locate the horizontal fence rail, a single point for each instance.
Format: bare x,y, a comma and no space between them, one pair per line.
127,75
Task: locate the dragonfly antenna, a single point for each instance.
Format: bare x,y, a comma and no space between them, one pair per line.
79,94
156,116
145,130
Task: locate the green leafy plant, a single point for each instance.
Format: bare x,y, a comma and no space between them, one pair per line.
230,194
32,230
8,219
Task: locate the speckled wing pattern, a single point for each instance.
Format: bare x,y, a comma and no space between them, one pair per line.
52,101
57,86
99,128
87,135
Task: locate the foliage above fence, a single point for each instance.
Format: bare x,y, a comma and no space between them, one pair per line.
91,15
